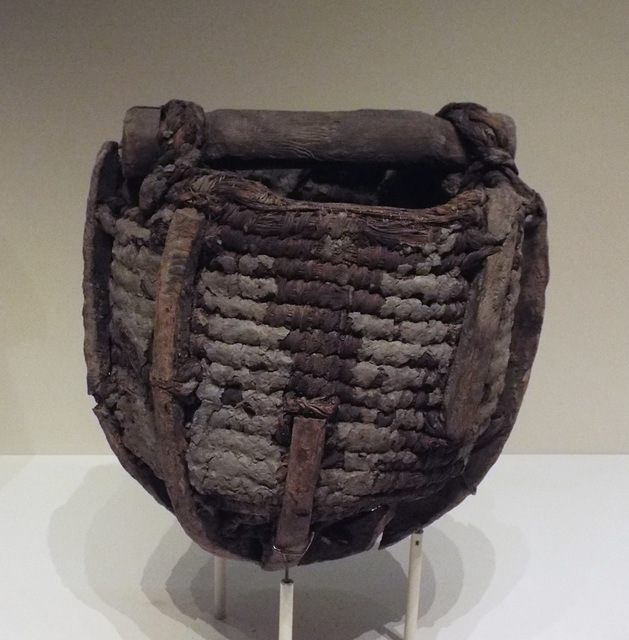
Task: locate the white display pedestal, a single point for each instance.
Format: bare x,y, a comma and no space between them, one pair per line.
286,610
414,584
220,588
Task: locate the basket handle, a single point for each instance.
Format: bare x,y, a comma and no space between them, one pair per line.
363,136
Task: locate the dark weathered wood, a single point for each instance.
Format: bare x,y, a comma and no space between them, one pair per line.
171,325
529,313
304,462
466,382
97,261
140,143
349,536
364,136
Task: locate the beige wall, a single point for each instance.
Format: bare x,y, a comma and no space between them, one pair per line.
69,70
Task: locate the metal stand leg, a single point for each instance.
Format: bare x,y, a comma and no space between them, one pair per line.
286,608
414,581
220,588
286,593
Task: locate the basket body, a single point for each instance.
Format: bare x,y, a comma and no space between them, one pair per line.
293,375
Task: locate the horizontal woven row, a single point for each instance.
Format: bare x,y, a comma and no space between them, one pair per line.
364,375
337,221
454,252
261,401
303,316
328,250
246,334
427,288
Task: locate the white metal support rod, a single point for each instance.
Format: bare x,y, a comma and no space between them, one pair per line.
220,588
414,582
286,609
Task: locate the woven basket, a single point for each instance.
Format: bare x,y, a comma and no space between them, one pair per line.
308,332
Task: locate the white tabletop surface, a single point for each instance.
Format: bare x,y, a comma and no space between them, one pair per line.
540,553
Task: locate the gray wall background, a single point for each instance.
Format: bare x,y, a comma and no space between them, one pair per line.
69,70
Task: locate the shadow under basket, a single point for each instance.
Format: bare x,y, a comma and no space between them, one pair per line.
309,332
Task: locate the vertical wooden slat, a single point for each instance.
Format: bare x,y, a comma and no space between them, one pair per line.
527,324
304,462
466,382
172,312
529,313
96,270
97,258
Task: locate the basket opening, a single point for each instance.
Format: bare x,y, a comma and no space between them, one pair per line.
408,186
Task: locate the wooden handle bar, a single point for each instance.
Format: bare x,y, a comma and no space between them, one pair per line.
398,137
364,136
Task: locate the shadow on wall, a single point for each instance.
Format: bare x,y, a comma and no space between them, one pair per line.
122,555
22,324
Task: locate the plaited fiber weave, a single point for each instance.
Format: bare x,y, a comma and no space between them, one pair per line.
302,351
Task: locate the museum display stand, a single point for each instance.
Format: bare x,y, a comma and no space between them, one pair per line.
287,588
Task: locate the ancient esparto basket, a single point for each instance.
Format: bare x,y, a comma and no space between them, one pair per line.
309,331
